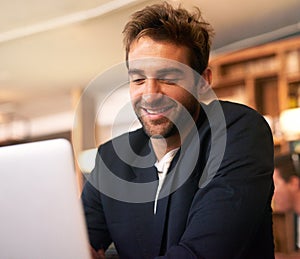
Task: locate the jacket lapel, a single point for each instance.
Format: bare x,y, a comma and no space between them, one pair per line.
149,227
182,184
155,233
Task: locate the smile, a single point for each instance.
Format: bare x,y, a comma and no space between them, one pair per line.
157,111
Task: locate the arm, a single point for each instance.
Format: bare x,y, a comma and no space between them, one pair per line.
231,216
95,219
97,255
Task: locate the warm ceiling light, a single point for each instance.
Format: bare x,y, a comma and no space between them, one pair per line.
290,124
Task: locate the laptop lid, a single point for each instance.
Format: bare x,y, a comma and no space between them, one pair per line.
41,212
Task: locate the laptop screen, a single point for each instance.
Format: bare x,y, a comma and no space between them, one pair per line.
41,213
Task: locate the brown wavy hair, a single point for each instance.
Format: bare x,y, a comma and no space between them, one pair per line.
163,22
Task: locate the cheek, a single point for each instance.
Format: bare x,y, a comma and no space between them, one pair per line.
182,96
132,91
134,95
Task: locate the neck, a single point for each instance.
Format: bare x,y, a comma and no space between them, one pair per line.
162,146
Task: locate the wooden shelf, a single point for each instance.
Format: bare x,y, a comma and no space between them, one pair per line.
228,81
263,77
258,51
293,78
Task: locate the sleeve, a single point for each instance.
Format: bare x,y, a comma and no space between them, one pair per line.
231,217
94,214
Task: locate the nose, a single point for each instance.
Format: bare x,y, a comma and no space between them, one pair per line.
151,86
152,90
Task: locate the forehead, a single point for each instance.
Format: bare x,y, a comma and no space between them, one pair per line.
156,66
145,47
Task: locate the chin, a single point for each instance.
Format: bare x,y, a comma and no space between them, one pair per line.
160,131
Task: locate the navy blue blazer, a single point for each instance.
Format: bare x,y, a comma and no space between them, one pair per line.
223,208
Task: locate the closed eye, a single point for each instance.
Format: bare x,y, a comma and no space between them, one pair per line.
169,81
138,81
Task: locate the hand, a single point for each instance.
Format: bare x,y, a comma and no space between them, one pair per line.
97,254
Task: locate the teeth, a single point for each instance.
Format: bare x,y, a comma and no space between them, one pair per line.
156,111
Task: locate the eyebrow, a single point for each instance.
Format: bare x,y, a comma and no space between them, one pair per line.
132,71
164,71
171,70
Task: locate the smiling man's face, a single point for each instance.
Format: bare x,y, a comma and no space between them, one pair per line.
161,86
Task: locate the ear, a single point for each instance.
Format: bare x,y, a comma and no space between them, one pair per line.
205,84
207,75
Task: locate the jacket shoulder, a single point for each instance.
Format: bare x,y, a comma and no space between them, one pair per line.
235,112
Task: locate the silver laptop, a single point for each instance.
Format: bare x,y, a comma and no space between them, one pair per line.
40,210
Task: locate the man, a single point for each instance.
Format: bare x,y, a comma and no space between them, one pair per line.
287,186
196,180
287,183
